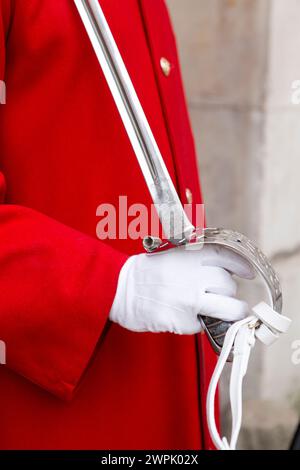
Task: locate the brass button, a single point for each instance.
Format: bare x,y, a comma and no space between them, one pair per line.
189,195
165,65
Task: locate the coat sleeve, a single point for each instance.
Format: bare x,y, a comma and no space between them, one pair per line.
56,289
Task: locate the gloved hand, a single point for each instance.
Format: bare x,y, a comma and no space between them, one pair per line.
166,291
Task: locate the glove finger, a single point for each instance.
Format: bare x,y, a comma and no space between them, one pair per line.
222,307
168,318
218,281
216,255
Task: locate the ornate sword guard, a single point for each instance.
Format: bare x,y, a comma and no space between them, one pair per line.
216,329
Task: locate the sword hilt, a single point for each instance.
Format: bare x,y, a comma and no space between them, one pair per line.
240,244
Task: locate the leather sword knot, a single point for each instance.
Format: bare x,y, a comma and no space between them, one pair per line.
264,325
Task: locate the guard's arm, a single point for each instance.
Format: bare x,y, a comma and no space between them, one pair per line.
56,287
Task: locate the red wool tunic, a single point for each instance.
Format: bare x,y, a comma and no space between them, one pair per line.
72,379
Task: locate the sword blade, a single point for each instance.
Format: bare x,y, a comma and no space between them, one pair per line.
175,223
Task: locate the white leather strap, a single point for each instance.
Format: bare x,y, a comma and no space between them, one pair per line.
264,324
271,318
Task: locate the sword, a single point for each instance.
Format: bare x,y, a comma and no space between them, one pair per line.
173,218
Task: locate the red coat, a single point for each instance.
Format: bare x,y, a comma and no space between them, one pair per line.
63,151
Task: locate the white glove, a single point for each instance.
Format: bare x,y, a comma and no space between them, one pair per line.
166,291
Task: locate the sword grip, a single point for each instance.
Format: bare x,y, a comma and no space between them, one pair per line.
216,331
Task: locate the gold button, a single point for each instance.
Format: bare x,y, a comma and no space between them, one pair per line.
165,66
189,195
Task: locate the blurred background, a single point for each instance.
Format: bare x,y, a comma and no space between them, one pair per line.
240,61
